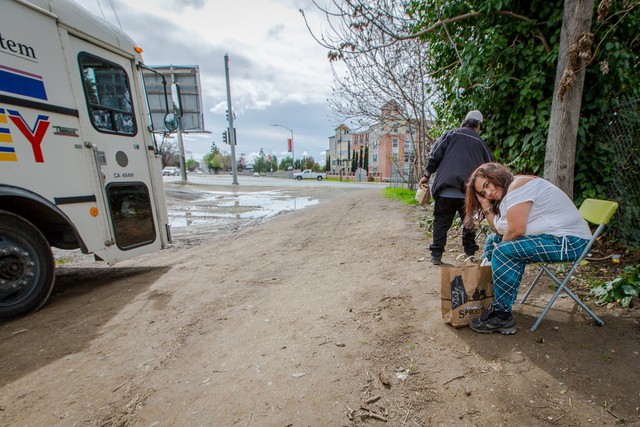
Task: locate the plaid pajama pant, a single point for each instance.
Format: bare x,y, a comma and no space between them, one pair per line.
509,259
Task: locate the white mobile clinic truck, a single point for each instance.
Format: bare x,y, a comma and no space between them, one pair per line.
79,167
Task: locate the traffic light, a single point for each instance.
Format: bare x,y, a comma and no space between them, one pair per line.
224,137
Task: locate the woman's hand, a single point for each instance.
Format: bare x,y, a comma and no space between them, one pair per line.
484,202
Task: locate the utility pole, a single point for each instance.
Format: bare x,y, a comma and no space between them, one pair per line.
231,130
293,156
182,164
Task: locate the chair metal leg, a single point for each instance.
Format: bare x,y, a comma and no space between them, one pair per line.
578,301
563,287
594,212
531,286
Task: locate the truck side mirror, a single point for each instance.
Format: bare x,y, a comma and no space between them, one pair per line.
171,122
176,100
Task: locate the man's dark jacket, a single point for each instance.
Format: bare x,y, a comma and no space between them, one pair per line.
455,155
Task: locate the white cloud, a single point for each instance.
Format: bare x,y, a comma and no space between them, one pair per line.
278,73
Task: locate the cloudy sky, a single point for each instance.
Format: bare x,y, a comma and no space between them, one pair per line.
278,73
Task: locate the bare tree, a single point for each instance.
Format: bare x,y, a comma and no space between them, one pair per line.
376,68
168,150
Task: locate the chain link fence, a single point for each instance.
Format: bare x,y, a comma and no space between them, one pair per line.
621,136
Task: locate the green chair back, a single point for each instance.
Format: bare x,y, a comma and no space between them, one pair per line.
598,211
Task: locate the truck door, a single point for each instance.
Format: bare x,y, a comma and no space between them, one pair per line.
114,127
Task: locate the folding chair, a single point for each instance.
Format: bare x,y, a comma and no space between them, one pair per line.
597,212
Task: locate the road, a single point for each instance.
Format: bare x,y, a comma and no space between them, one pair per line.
266,181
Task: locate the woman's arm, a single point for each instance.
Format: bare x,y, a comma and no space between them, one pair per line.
517,219
518,215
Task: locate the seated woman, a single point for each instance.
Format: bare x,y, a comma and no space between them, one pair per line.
533,221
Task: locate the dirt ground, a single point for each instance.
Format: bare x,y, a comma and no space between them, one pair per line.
326,316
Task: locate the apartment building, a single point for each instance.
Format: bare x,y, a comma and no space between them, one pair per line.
340,151
388,144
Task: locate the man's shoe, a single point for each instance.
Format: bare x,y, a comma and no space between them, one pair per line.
436,260
494,321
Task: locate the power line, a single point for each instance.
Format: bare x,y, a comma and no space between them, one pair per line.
115,12
101,11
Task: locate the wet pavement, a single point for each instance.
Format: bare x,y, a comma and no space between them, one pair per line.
218,208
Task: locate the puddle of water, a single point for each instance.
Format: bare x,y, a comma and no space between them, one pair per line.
219,208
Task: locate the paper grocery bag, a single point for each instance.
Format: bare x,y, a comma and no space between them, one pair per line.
423,196
466,292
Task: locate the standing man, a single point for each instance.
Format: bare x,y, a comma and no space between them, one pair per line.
454,156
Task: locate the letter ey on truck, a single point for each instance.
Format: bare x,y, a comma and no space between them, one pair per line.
79,165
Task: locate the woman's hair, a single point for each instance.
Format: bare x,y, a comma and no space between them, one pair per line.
496,174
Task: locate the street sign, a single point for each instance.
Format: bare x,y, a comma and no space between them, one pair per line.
188,77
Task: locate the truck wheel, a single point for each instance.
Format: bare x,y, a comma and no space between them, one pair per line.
299,178
319,178
27,267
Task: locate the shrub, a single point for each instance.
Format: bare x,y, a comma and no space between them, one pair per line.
620,290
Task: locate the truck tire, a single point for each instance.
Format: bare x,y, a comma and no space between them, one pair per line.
319,178
27,267
299,178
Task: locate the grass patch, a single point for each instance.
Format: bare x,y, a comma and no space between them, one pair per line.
404,194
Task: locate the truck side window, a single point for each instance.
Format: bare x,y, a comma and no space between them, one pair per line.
131,211
108,95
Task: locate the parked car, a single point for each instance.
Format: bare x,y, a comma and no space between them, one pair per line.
309,174
170,171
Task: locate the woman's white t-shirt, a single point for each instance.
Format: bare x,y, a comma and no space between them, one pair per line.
552,211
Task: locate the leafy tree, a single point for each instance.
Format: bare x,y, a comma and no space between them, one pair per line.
365,161
507,68
499,65
192,164
216,160
308,162
260,163
212,161
285,163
